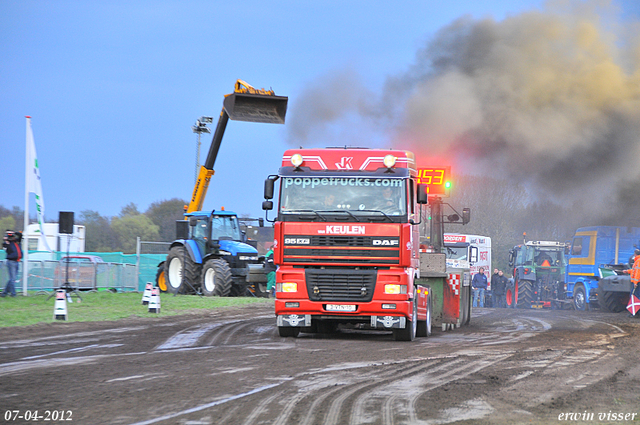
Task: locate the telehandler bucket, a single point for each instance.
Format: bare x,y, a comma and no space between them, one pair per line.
251,107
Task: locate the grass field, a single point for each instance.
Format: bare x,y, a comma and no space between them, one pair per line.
104,305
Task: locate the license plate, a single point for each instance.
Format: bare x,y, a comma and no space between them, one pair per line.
340,307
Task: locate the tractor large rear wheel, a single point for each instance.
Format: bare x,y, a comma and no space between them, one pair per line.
216,278
161,281
525,293
181,272
614,302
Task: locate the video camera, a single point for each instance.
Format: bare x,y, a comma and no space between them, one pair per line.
12,236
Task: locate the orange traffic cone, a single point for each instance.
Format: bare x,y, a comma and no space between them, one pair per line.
60,308
146,296
154,301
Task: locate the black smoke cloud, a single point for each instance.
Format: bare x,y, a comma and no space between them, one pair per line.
549,98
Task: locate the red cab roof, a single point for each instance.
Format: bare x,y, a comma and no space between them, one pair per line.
349,158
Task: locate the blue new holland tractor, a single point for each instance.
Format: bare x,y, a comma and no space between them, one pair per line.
212,257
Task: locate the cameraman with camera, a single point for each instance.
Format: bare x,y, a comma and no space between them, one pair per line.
11,244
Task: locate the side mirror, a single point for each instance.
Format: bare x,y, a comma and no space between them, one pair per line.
261,222
473,254
267,205
466,215
512,256
269,184
193,221
422,196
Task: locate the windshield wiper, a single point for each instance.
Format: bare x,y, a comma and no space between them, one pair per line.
306,211
341,211
378,211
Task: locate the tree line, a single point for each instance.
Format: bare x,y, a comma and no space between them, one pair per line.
118,233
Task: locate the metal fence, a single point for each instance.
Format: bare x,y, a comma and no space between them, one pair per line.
49,275
148,256
123,272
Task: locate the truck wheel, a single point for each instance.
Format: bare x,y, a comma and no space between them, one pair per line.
524,294
615,302
216,278
424,327
287,331
175,269
409,331
161,281
579,298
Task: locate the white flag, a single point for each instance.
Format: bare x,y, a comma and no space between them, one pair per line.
33,181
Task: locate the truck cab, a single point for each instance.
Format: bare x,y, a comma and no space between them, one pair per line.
346,241
595,253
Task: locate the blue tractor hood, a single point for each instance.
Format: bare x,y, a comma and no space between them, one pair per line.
236,247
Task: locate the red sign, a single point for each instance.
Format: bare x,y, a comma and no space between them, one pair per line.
455,238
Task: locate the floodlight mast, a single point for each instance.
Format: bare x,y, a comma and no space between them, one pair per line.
199,128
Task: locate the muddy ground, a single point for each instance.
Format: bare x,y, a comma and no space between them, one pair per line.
231,367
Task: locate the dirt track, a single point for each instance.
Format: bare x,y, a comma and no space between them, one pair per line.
231,367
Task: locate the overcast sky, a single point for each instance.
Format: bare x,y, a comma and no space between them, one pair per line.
113,87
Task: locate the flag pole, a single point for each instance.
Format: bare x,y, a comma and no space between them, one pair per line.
25,238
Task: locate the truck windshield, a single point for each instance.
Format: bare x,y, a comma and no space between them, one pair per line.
353,196
456,252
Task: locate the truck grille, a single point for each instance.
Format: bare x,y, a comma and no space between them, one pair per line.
369,250
340,285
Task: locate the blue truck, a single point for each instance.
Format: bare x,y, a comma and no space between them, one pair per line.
596,263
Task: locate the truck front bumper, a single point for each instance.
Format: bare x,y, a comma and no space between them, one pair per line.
371,313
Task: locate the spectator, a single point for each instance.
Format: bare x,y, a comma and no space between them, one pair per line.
11,244
498,290
494,279
635,277
479,285
270,269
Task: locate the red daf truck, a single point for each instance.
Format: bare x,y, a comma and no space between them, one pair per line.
347,243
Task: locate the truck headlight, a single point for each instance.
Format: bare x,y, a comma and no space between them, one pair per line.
394,288
287,287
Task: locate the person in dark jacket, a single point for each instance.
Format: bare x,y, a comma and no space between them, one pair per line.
479,285
494,279
498,289
11,244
